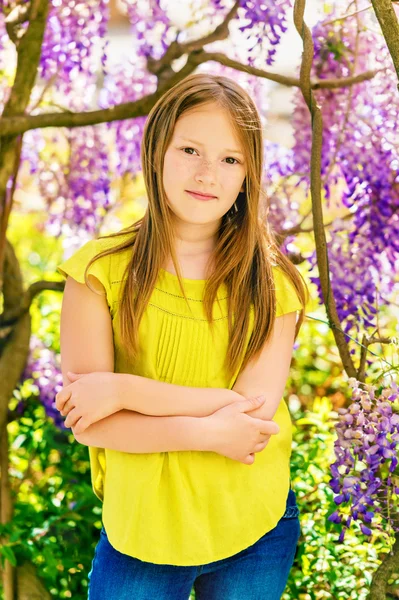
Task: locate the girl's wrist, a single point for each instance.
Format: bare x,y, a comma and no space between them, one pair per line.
203,434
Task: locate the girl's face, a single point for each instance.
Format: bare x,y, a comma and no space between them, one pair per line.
205,156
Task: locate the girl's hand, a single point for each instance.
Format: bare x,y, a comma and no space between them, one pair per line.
89,398
237,435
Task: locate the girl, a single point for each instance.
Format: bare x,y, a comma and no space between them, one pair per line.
188,316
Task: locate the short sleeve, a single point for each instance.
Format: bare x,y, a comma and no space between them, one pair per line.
76,264
287,299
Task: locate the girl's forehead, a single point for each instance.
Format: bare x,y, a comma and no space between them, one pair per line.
200,128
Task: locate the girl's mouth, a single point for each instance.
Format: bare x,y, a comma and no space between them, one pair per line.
200,196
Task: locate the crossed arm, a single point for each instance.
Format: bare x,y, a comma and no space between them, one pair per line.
158,416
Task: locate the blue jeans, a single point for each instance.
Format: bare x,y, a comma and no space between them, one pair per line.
259,572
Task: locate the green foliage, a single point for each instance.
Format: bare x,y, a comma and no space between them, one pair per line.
324,568
57,517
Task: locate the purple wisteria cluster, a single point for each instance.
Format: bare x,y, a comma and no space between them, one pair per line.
355,277
280,185
151,29
365,475
74,46
44,369
74,32
265,22
263,26
72,166
360,126
126,82
78,188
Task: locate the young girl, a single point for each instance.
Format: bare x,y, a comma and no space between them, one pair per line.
185,318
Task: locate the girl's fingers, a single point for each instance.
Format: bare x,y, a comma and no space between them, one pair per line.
58,405
72,418
261,446
65,409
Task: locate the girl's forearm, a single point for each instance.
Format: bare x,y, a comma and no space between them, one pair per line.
157,398
129,431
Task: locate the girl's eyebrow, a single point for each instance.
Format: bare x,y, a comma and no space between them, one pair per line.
199,144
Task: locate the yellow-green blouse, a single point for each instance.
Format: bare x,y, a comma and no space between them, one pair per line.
184,507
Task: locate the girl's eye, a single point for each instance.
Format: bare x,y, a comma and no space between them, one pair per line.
189,148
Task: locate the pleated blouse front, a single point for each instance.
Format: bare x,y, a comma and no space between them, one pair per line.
184,507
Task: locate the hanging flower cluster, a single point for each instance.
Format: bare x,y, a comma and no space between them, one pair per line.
73,33
44,369
265,22
151,29
365,475
360,125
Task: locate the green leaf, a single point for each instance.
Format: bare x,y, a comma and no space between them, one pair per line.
9,555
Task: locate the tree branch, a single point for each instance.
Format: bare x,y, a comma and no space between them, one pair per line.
343,17
141,107
177,50
389,565
29,51
9,317
315,188
390,28
296,229
366,342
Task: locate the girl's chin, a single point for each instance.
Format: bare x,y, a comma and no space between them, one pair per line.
195,216
194,220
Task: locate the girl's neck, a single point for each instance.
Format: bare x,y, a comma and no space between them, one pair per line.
192,267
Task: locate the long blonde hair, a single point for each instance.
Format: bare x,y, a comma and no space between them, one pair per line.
245,249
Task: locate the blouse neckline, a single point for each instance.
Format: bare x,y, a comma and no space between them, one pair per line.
174,277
